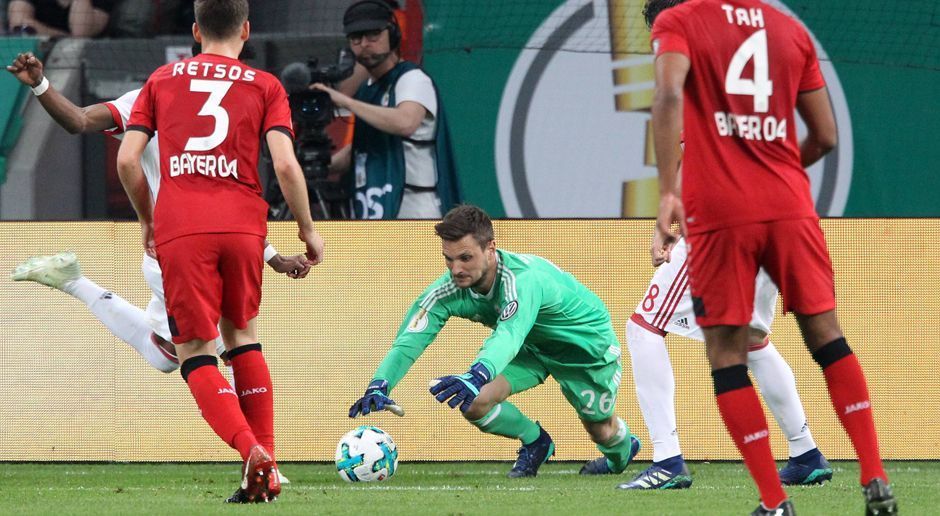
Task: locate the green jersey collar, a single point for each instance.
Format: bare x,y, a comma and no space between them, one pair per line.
499,273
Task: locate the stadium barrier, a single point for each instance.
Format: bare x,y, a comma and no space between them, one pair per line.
73,392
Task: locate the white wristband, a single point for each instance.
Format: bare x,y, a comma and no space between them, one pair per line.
43,86
269,252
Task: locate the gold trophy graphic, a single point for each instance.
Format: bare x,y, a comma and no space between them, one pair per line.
632,67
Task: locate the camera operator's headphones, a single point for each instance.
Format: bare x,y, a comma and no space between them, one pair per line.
394,30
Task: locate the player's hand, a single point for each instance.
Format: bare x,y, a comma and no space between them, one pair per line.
146,237
660,251
314,246
27,69
340,100
375,400
295,267
461,390
670,210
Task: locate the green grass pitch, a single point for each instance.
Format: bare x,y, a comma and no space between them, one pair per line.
440,489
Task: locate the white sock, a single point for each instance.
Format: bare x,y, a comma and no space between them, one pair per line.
778,388
655,389
126,321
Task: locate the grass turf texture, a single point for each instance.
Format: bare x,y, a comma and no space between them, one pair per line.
448,488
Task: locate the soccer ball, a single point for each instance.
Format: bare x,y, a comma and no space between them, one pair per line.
366,454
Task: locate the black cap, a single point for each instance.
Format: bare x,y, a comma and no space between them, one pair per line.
367,15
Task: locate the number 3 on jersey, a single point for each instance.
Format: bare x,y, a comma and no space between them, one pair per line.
212,107
760,87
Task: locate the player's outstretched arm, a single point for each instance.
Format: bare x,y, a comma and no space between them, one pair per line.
821,133
28,69
461,390
375,399
294,188
296,266
420,327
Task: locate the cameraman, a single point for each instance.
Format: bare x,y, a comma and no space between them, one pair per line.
400,156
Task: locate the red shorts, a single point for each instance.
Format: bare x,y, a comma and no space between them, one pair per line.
207,276
723,264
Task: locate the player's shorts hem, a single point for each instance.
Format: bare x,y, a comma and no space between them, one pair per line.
814,310
183,339
639,320
597,419
757,347
243,323
721,321
167,355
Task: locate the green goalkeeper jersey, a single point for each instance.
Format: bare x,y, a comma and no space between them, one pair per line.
533,305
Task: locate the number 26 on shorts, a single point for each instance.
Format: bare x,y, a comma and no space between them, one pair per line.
605,402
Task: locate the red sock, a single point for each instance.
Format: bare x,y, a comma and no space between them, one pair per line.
744,418
218,403
849,394
255,393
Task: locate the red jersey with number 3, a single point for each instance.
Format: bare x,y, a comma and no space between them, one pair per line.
210,114
749,61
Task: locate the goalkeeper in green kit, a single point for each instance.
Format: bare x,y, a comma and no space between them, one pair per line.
544,323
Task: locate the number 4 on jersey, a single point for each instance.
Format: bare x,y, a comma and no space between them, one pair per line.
760,87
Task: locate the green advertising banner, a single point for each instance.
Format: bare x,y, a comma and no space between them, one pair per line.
549,101
11,96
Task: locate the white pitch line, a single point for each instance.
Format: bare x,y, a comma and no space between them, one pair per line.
404,488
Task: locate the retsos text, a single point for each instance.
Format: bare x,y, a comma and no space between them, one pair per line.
214,79
213,71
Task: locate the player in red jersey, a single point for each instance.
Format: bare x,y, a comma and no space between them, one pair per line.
210,114
730,73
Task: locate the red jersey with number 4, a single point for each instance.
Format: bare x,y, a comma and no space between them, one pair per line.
749,61
210,114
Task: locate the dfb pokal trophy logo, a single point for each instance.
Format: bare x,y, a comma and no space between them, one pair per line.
573,136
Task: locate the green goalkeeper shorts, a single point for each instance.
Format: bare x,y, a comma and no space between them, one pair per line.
591,390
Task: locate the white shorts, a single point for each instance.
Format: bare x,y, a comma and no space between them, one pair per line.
156,308
667,306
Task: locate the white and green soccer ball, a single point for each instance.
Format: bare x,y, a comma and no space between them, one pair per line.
366,454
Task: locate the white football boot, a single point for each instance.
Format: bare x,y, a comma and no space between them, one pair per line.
53,271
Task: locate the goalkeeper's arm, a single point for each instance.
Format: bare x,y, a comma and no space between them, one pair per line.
517,316
416,333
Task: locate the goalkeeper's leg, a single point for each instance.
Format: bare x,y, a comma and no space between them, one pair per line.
615,442
491,413
592,392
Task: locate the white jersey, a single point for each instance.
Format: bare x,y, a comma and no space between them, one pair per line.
667,305
150,160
